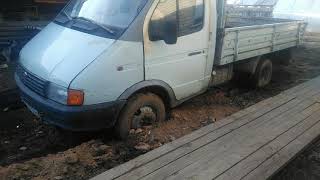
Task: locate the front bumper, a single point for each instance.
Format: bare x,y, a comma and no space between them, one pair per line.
82,118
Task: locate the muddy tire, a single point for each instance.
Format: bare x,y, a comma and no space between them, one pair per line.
141,109
263,74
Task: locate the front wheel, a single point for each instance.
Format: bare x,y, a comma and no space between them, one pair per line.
263,74
141,110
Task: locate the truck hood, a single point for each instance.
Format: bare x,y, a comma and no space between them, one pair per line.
58,54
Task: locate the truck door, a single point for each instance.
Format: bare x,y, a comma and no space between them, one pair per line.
182,64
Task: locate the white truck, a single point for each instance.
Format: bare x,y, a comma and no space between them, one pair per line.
126,63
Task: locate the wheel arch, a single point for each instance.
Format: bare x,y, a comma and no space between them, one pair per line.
248,66
157,87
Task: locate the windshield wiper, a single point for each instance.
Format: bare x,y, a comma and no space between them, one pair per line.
95,23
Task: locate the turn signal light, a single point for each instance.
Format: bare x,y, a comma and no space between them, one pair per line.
75,97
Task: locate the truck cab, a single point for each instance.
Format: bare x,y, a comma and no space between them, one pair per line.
121,64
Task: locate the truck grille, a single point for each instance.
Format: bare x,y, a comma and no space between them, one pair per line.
31,81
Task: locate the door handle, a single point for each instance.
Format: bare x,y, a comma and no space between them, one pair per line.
195,53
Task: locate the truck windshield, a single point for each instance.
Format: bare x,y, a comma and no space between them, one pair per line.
108,13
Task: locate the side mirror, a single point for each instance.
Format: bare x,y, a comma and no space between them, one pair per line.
164,29
170,32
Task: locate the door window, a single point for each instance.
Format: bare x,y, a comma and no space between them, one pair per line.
191,16
165,9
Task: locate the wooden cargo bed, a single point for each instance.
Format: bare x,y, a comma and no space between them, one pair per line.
245,38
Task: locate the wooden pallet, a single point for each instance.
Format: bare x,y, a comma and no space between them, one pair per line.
251,144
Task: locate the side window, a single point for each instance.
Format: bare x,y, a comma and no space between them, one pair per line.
187,15
164,10
191,16
163,24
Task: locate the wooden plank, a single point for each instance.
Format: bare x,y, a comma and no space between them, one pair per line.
279,159
248,51
245,41
184,163
255,40
224,152
256,46
280,47
259,30
248,33
230,43
257,158
301,89
187,144
286,34
252,112
258,52
286,40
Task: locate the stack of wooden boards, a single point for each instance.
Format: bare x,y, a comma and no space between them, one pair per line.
252,144
13,35
19,31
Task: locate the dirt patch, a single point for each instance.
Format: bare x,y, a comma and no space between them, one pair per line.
32,150
103,152
195,114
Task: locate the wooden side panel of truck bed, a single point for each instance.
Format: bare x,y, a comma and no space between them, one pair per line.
245,42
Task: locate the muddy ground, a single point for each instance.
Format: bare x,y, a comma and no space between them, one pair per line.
32,150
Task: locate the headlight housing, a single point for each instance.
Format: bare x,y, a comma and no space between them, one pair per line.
62,95
57,93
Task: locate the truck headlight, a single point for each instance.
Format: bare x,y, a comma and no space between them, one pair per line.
62,95
58,93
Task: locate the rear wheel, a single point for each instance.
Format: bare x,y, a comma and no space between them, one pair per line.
263,74
141,110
